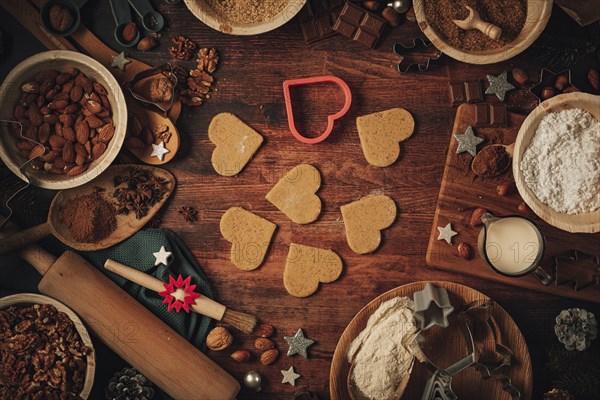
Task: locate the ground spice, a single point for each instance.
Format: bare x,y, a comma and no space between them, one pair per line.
247,11
90,218
491,161
509,15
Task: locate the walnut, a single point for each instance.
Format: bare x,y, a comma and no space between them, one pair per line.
61,18
183,49
207,59
219,339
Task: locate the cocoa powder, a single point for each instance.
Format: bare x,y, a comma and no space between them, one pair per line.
491,162
90,218
509,15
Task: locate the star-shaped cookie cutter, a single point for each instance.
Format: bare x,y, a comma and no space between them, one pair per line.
432,307
409,57
570,277
547,79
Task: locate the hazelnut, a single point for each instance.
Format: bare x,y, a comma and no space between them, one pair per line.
129,32
465,251
561,82
219,339
594,78
264,330
504,189
371,5
241,355
61,18
146,44
410,15
571,89
520,76
547,92
269,357
476,217
523,208
391,16
264,344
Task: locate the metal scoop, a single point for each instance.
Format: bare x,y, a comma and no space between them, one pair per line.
122,15
151,20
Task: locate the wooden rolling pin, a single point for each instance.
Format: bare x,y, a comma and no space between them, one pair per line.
129,329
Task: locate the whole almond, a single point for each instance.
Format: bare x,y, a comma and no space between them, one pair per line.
77,170
594,78
80,149
68,153
241,355
69,134
67,87
76,93
264,330
476,217
56,142
49,74
129,32
98,149
82,132
36,151
520,76
25,145
61,79
44,132
219,339
269,357
34,115
98,88
263,344
93,106
106,132
61,96
79,159
94,122
50,156
465,251
58,104
87,85
19,111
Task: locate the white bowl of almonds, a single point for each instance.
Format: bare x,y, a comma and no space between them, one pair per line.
72,119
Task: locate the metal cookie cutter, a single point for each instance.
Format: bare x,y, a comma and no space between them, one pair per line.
432,307
410,58
577,269
166,71
330,118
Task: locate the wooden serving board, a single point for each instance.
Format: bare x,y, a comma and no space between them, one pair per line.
449,346
461,192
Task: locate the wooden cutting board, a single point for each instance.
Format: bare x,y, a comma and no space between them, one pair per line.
461,192
448,346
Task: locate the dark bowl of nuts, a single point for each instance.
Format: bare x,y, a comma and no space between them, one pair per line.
69,115
45,351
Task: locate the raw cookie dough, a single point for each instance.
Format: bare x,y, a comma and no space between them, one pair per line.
306,266
294,194
249,235
235,143
365,218
380,135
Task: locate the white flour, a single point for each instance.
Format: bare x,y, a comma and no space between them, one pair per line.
380,352
561,166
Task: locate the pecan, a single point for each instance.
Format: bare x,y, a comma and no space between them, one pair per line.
183,48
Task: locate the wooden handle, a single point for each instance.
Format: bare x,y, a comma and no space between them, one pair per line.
203,304
22,238
135,334
490,30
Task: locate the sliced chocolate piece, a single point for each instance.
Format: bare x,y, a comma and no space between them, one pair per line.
482,115
457,93
359,25
317,17
473,91
498,115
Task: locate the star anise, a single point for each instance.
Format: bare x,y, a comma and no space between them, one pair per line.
189,213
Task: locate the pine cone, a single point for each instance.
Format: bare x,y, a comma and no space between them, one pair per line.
558,394
129,384
576,328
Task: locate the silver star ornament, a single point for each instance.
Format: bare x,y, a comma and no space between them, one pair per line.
468,142
120,61
499,85
446,233
298,344
290,376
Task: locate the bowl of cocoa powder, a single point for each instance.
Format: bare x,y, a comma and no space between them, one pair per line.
70,119
521,21
244,17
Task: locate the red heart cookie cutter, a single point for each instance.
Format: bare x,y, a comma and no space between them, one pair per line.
330,118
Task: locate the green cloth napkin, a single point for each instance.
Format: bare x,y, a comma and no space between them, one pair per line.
137,252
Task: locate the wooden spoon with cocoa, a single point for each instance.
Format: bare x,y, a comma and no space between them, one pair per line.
125,224
492,160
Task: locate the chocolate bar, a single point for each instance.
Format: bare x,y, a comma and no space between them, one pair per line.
469,91
317,18
360,25
491,115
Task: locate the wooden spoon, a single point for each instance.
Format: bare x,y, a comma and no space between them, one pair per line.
355,394
486,170
474,21
127,225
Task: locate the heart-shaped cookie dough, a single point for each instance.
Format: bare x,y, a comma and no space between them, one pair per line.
380,135
249,235
295,194
365,218
306,267
235,143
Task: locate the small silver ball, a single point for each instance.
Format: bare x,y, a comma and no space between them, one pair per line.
400,6
252,380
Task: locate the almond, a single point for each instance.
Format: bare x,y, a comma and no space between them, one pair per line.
97,150
82,132
263,344
44,132
50,156
37,151
61,79
76,93
77,170
264,330
129,32
25,145
68,153
49,74
94,122
106,132
504,189
34,115
56,142
476,217
594,78
520,76
69,134
58,104
19,112
219,339
269,357
465,251
241,355
79,159
98,88
93,106
80,149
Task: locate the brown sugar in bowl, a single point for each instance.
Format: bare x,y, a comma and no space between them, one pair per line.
538,13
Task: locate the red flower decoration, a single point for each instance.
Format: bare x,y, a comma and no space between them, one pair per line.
179,293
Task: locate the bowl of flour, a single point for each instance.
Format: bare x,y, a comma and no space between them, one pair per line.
556,162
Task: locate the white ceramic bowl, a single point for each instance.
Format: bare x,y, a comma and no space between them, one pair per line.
27,299
10,91
207,15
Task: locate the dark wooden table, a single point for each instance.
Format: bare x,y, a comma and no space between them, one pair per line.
249,78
